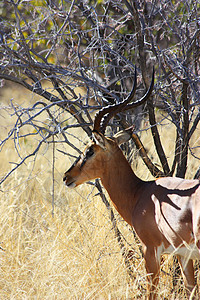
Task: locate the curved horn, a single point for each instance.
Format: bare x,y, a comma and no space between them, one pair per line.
111,110
129,105
144,98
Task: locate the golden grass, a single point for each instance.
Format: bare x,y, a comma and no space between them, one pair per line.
73,254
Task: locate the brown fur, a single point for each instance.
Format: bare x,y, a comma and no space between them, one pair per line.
163,212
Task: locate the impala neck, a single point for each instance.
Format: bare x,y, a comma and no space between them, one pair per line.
122,185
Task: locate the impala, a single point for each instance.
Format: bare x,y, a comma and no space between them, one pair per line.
165,212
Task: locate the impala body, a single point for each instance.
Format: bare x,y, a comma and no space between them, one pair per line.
165,212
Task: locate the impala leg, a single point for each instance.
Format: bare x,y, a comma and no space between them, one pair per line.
188,276
152,267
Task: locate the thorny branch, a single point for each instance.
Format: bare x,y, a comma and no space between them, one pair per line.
77,57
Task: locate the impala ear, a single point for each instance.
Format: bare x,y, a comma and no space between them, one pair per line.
123,136
99,139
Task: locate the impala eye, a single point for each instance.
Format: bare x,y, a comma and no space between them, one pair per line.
89,152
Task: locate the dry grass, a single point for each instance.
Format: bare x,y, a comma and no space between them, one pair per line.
73,255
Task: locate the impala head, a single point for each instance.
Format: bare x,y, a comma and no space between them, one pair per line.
99,153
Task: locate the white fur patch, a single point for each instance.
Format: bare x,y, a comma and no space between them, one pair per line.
71,185
185,251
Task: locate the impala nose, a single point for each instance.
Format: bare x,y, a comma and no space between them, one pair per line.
69,181
65,177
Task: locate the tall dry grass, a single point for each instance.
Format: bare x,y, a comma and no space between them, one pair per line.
73,254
